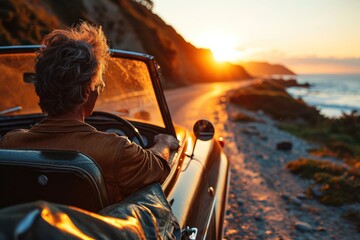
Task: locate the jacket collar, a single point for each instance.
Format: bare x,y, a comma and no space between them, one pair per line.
61,125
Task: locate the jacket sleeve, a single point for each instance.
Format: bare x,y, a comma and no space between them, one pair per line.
137,167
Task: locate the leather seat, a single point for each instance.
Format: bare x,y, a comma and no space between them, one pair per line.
64,177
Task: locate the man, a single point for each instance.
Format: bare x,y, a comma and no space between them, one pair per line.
69,71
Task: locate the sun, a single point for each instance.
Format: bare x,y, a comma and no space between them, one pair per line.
224,54
222,46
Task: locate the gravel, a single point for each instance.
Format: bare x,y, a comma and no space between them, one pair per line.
266,201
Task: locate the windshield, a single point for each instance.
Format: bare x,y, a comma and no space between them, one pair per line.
129,92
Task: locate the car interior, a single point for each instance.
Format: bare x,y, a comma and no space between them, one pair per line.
102,121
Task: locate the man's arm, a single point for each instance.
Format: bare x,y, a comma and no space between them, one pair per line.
164,144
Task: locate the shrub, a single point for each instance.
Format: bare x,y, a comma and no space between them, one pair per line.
338,184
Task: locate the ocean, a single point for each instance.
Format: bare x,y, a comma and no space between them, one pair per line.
331,94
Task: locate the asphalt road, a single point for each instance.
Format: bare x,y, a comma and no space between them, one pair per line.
191,103
265,200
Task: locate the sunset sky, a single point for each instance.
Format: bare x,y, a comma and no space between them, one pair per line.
308,36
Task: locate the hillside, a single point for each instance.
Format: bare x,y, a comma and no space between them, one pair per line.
264,69
129,25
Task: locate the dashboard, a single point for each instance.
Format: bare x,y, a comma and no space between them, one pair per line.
133,139
102,122
110,123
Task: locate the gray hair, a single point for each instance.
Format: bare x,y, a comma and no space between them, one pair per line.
69,60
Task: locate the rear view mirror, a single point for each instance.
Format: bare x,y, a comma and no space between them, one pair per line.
29,77
204,130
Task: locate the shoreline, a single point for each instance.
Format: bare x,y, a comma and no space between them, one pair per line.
332,94
267,201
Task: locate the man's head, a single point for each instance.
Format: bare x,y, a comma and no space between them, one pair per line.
69,67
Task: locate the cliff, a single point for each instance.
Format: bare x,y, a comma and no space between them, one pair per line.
129,25
264,69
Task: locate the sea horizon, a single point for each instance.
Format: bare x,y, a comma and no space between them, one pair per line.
332,94
301,74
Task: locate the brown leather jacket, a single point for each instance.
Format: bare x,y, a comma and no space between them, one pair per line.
126,166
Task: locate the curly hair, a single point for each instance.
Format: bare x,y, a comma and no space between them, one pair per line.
69,60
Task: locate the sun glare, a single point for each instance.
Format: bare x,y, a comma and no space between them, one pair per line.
222,54
222,46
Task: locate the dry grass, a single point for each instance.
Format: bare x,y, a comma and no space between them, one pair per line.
337,184
340,137
241,117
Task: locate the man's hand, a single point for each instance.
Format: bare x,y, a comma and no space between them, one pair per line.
167,140
164,144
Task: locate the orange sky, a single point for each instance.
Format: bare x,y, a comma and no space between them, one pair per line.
309,36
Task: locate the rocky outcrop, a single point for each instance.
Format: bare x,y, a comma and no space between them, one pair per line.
271,97
264,69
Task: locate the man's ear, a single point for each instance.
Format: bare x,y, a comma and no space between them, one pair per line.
86,92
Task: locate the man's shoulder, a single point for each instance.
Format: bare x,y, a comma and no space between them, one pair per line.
13,134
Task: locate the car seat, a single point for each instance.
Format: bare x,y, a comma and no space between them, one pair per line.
64,177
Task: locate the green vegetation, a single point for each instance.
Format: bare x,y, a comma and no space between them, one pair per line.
341,136
337,184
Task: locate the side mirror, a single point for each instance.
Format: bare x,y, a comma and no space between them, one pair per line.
204,130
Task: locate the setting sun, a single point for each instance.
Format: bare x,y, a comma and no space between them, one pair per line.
222,46
223,53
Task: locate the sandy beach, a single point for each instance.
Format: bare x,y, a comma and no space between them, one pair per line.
266,201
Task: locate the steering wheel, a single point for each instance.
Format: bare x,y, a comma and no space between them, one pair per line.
128,124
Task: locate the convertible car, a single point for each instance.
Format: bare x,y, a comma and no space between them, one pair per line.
133,105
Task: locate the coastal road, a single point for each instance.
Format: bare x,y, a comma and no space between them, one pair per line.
191,103
207,101
265,200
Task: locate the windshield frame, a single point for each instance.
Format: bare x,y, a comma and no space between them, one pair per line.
147,59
